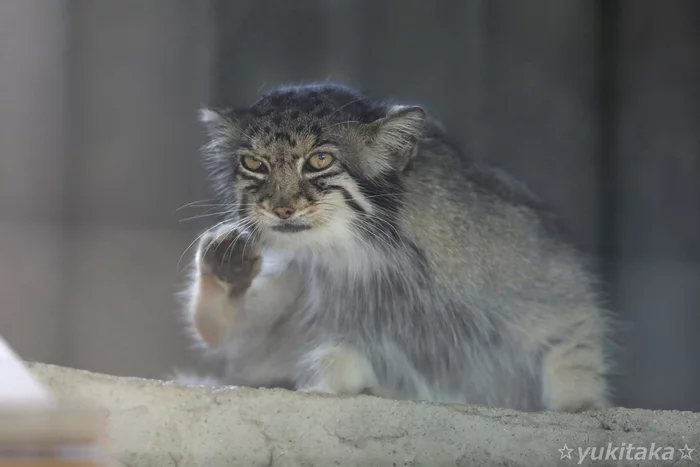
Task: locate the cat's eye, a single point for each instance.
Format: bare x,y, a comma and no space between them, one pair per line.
252,164
319,161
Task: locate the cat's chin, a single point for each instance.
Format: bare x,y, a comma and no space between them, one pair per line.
334,232
290,237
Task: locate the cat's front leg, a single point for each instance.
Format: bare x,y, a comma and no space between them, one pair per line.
226,264
339,369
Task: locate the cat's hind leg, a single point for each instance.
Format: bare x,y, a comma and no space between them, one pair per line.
338,369
574,366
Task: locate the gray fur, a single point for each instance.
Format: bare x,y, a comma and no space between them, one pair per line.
428,276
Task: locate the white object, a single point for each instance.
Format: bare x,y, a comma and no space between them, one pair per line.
17,384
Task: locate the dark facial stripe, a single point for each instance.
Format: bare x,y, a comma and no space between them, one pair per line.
329,173
247,176
252,185
384,193
254,189
348,198
242,207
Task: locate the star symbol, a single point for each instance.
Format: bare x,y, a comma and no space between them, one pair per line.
567,454
685,452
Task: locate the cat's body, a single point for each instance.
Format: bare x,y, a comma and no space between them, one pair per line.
400,268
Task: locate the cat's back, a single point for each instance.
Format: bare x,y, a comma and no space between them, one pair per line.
479,223
469,186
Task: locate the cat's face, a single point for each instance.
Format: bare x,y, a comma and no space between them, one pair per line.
311,164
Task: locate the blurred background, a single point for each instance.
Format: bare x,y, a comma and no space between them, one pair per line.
595,104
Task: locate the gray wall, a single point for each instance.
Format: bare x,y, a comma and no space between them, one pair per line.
98,137
596,104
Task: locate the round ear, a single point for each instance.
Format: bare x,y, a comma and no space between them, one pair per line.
211,116
394,138
217,120
223,127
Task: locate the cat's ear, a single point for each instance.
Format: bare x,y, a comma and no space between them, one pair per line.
223,127
394,138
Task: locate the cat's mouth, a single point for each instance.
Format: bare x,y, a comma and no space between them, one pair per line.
287,227
284,222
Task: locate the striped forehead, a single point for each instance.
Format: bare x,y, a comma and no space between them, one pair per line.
291,146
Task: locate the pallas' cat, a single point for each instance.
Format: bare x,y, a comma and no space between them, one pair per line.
360,252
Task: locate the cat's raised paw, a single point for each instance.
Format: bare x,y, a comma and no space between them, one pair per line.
233,258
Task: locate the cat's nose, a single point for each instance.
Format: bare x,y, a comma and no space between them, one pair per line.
283,213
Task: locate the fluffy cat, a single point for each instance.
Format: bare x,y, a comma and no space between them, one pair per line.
361,252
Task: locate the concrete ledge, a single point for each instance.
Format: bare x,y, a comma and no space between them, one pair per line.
155,423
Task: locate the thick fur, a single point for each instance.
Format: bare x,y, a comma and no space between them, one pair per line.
407,270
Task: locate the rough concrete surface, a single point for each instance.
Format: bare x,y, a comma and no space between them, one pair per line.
156,423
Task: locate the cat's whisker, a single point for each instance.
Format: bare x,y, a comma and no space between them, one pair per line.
229,227
206,206
341,123
193,204
360,99
197,239
372,233
201,216
241,230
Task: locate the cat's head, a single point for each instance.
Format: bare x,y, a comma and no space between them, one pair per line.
311,164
